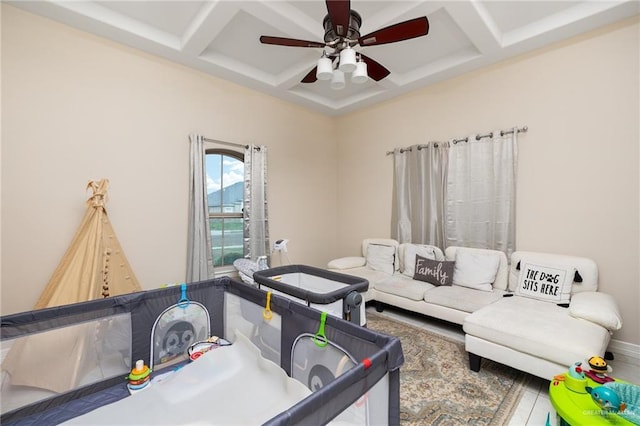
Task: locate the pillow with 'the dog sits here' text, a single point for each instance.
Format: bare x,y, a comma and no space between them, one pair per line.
549,283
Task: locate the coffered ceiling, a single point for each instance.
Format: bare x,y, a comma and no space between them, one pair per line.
222,38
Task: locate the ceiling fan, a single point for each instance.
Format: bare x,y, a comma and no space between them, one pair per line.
341,34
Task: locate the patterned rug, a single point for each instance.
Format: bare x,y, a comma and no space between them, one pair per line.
437,387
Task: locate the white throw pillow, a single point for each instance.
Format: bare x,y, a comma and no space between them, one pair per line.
410,252
546,282
600,308
381,257
475,270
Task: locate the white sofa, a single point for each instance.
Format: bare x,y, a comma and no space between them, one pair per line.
501,322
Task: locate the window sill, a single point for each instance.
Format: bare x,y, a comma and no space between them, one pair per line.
226,271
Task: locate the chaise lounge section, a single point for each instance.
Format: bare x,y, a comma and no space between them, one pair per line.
538,313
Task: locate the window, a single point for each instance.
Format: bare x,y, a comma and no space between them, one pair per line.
225,195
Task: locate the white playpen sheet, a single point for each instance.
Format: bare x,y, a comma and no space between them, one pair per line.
230,385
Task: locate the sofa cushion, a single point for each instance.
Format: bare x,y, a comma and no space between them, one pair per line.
461,298
366,273
347,262
543,330
409,253
546,282
476,270
381,257
403,286
436,272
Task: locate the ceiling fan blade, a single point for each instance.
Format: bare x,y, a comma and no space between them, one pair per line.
375,70
397,32
311,77
292,42
340,14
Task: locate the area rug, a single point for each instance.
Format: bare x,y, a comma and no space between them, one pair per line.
437,387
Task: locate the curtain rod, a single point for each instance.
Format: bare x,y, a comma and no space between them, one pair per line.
523,129
225,143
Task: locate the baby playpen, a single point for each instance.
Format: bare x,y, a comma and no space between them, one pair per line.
281,362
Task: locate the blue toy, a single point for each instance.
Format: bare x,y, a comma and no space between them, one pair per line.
576,371
606,398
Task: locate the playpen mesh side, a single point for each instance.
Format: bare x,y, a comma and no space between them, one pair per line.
178,327
317,365
377,358
44,364
118,329
374,383
245,317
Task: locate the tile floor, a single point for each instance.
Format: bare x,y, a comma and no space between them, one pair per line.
534,406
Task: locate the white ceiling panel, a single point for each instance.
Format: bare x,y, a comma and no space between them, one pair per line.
238,39
512,15
222,38
171,16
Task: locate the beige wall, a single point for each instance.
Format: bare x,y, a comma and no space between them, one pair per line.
77,107
578,181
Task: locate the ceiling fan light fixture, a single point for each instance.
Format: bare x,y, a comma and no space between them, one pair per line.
341,35
337,81
360,76
347,60
325,68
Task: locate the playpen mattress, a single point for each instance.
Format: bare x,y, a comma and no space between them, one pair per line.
228,385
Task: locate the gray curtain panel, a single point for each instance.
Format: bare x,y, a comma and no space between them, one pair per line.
481,192
256,222
420,173
199,257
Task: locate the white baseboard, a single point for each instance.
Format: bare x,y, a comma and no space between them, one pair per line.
629,351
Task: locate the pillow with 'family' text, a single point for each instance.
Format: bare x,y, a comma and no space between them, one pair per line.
410,253
546,282
436,272
381,257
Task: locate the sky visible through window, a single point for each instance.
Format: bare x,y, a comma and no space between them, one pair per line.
232,172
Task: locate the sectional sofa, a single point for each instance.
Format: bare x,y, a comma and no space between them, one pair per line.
536,312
